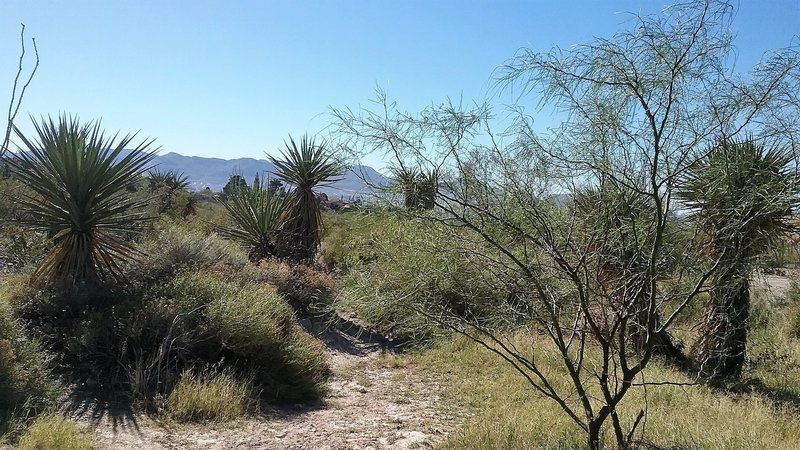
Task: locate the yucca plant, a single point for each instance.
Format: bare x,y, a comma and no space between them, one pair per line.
78,178
168,183
304,167
256,213
427,187
743,196
406,183
419,187
170,179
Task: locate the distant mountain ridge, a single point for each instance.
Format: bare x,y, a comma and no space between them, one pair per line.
214,173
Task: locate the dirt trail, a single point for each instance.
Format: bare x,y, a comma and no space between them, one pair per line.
372,403
776,285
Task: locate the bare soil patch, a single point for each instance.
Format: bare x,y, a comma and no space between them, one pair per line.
373,402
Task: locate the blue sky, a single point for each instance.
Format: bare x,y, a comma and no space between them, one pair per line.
235,78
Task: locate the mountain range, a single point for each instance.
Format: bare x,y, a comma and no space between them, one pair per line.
214,173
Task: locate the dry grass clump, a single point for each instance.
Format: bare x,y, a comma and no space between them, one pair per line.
510,415
209,396
55,432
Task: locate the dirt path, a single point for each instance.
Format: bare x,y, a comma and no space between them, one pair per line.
776,285
374,402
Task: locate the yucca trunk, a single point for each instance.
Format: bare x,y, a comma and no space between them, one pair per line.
722,348
301,224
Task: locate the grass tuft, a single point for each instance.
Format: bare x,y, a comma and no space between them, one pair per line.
210,397
55,432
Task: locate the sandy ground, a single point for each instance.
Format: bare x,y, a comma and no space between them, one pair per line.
370,405
776,285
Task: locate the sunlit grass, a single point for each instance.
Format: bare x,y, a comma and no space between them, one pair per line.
218,397
509,414
55,432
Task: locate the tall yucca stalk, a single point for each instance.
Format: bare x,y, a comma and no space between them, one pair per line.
742,196
78,178
255,212
304,167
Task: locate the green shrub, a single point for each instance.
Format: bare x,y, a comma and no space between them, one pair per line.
397,267
249,320
134,342
308,290
209,214
21,246
26,387
793,310
55,432
350,239
174,248
209,396
256,327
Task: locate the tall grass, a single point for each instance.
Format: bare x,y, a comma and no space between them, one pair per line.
210,396
55,432
760,412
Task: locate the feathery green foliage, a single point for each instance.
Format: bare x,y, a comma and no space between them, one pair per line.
304,167
78,177
256,212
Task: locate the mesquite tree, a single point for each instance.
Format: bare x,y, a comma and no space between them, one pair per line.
640,109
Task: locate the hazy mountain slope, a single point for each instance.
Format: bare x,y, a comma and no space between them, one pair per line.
214,173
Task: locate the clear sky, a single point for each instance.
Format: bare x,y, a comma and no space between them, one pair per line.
234,78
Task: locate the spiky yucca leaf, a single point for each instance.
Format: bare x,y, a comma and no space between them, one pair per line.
406,182
743,195
168,183
256,214
78,178
418,187
171,179
305,167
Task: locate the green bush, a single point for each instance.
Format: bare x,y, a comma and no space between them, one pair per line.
55,432
135,341
351,239
20,246
256,327
395,268
308,290
175,248
26,388
210,396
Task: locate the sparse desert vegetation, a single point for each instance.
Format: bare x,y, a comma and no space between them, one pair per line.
626,280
